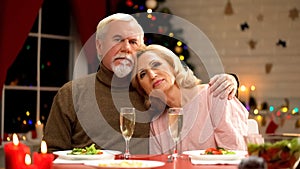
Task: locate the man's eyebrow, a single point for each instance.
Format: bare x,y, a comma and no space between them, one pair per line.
117,36
123,38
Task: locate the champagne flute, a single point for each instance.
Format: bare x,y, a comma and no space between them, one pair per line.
175,122
127,124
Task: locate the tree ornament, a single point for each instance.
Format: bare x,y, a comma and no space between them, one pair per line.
178,49
129,3
228,8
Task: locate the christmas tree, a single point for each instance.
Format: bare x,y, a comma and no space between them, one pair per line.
150,16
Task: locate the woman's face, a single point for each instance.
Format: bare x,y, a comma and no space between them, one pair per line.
154,73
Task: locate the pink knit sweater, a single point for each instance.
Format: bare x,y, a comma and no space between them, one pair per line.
208,122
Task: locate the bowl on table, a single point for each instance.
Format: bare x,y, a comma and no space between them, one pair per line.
278,154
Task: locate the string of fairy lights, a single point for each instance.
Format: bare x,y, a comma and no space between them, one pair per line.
260,112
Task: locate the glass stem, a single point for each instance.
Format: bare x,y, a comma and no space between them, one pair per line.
175,148
126,154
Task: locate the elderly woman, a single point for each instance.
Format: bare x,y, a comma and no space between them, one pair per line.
207,121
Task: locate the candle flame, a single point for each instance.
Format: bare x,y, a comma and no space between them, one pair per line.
27,159
15,139
43,147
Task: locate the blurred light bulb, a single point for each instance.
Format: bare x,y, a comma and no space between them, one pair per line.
255,111
243,88
151,4
284,109
252,88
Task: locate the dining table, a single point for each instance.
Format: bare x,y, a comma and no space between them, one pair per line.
181,162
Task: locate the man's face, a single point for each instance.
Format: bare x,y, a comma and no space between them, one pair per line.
118,46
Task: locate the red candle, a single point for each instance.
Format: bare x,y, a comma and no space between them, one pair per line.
28,164
15,153
43,160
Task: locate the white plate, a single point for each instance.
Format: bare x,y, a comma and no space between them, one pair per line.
125,164
107,155
199,155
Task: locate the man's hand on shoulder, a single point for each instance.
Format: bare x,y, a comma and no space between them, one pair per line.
223,85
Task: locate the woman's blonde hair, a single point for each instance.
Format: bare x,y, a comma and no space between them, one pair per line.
184,76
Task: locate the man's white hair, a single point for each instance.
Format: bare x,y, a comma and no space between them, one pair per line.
117,17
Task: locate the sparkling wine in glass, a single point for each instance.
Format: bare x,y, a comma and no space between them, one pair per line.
175,122
127,123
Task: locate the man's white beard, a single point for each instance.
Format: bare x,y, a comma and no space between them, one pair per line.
123,69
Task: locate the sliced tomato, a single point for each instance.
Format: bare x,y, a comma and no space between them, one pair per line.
210,150
217,152
213,151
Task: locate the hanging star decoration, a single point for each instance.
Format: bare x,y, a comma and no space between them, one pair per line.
244,26
228,8
294,13
252,44
260,17
281,43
